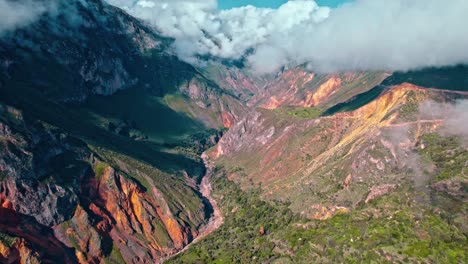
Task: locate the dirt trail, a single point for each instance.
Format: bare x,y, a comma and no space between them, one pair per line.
216,219
437,121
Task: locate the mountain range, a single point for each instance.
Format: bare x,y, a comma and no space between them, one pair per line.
113,150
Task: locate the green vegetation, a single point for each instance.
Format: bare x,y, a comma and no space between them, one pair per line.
172,147
236,169
408,111
305,112
299,112
146,113
99,168
3,175
159,151
448,154
114,257
449,78
7,240
178,195
180,103
391,229
239,239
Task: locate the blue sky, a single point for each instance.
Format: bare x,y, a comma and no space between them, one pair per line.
227,4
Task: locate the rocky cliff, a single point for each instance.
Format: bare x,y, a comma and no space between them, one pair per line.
60,200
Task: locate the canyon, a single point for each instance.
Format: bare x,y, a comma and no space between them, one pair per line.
113,150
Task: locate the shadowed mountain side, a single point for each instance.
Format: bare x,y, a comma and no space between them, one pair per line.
36,106
356,102
40,242
89,49
447,78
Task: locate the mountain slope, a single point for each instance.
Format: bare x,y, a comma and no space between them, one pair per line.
97,164
384,181
102,129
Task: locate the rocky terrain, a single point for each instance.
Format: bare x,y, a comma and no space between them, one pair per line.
94,201
300,159
346,184
102,130
85,179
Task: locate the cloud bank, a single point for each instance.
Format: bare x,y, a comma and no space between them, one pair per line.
363,35
200,29
17,14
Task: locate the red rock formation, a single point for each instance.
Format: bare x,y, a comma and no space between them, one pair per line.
95,216
323,92
140,225
228,119
262,231
18,252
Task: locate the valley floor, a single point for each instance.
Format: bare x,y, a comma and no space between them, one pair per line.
216,219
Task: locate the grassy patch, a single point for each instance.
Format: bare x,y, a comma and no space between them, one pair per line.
114,257
299,112
448,154
450,78
146,111
7,240
305,112
410,108
99,168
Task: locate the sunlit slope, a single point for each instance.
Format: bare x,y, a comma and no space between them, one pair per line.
330,161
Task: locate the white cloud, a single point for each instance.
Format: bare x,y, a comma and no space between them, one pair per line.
364,35
200,29
17,14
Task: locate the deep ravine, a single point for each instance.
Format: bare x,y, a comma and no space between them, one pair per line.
216,219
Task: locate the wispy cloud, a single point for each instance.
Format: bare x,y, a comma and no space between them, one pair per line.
17,14
455,117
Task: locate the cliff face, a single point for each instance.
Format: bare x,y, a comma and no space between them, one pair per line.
138,222
62,201
30,158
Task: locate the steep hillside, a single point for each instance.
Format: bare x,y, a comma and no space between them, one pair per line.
86,48
300,87
94,201
294,87
384,180
102,128
299,159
